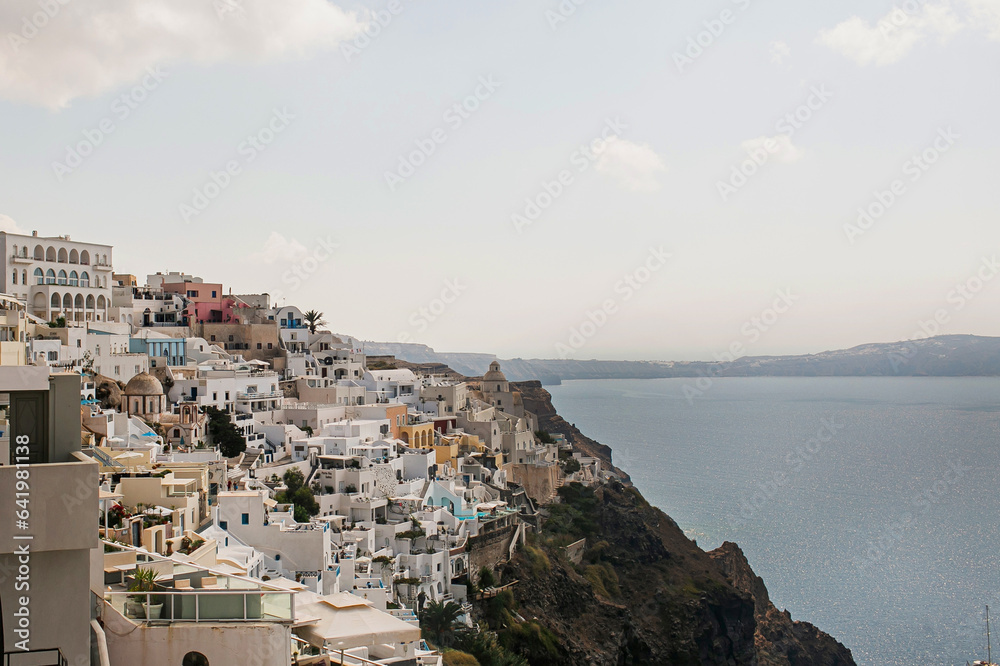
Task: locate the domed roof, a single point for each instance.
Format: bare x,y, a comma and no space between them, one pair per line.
144,384
494,374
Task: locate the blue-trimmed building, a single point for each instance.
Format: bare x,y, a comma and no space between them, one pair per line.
172,350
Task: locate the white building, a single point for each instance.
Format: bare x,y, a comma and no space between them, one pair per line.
57,277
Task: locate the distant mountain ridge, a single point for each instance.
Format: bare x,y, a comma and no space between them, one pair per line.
941,356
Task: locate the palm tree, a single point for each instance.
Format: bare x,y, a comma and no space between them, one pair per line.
314,319
438,620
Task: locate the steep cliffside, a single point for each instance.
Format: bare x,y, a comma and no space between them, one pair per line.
644,593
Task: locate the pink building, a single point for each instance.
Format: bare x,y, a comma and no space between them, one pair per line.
207,303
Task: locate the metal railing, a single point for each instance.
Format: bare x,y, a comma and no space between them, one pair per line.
203,605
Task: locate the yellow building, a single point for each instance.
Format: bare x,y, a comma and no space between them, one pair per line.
418,435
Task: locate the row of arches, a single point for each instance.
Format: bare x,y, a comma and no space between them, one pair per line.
73,308
62,255
71,279
421,439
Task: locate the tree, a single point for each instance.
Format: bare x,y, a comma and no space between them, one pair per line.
224,434
298,494
438,620
314,319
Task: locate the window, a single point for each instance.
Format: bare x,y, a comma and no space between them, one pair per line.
195,659
213,294
246,518
224,524
269,345
213,338
259,346
230,338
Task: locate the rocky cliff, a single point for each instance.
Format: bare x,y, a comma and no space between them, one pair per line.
643,592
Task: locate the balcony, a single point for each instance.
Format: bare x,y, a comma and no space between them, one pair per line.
270,395
204,605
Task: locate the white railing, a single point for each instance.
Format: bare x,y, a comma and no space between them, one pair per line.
201,605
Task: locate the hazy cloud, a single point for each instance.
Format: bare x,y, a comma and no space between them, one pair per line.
893,36
634,166
9,225
780,148
76,48
779,51
278,248
985,14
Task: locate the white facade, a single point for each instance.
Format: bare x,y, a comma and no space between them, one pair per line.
57,277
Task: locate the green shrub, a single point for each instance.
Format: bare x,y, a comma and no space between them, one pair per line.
456,658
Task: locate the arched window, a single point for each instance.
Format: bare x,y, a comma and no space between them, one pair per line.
39,253
63,255
50,276
74,256
67,302
13,280
50,254
74,279
39,276
85,258
56,302
62,278
24,277
85,279
90,302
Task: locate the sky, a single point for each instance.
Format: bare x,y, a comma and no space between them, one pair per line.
531,178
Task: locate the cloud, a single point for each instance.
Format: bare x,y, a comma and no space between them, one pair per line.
779,51
278,248
84,48
9,225
635,166
893,36
985,14
780,148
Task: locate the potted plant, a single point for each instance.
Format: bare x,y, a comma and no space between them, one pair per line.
144,580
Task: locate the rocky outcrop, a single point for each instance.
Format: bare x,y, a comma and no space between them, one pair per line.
538,401
108,392
646,594
780,641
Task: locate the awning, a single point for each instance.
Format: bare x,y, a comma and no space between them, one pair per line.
345,621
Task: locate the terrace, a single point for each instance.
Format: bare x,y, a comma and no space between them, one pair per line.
187,593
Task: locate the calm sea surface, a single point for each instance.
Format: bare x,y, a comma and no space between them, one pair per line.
870,506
